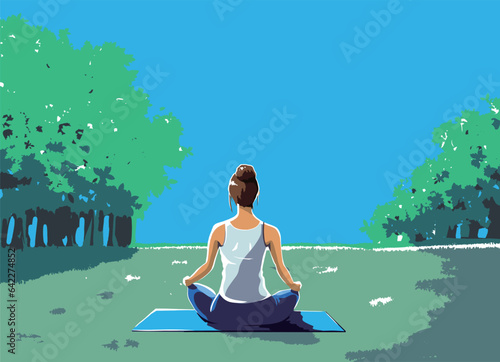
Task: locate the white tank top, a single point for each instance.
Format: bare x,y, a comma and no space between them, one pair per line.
242,256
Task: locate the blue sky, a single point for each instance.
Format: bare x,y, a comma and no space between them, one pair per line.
361,84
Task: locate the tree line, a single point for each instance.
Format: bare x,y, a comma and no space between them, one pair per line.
79,156
453,196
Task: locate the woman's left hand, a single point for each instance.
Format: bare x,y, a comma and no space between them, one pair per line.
187,282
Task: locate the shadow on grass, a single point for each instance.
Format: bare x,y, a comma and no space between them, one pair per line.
294,330
303,338
33,263
466,329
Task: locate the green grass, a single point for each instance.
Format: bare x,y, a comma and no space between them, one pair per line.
362,275
366,246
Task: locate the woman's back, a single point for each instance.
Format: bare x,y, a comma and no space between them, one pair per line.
243,295
242,255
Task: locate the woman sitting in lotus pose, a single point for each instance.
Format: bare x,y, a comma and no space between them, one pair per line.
243,299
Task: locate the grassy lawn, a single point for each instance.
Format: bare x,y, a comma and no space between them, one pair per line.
416,281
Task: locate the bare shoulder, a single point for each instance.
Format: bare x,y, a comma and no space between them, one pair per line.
219,232
219,226
271,234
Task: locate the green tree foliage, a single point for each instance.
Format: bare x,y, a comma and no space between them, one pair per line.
460,188
74,125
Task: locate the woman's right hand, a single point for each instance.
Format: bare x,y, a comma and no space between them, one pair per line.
187,281
296,286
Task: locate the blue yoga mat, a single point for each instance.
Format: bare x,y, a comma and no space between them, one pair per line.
187,320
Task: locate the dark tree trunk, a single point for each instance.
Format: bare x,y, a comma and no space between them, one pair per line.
111,220
61,224
123,230
42,218
94,231
452,233
419,237
18,236
55,228
74,223
100,227
88,227
5,227
64,223
92,228
30,214
474,227
494,216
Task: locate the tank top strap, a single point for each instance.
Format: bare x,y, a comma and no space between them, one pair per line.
225,232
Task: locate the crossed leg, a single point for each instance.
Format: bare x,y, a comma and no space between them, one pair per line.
201,298
213,308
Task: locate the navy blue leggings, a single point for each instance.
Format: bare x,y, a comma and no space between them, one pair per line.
216,310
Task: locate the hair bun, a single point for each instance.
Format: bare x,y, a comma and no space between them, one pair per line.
245,173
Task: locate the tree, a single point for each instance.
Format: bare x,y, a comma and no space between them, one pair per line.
458,189
72,118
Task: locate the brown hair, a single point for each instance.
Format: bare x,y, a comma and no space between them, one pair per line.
243,186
